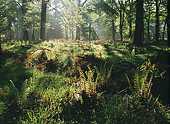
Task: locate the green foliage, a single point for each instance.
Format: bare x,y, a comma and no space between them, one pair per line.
8,11
87,85
134,110
2,108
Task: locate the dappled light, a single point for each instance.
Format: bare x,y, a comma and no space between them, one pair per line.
84,61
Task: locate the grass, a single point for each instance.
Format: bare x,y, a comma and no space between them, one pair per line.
76,82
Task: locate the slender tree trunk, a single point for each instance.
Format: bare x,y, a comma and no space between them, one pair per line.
113,25
77,33
24,25
0,46
66,32
130,16
33,34
164,29
168,33
130,29
90,31
43,20
121,24
113,30
25,35
168,22
148,24
122,14
10,36
157,23
148,27
139,27
72,34
33,31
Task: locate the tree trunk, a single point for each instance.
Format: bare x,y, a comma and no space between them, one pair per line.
113,30
66,32
0,47
168,22
10,33
113,25
139,24
72,34
90,31
164,29
148,25
78,26
43,20
130,18
148,29
25,35
77,33
168,33
24,25
33,34
121,24
157,23
130,29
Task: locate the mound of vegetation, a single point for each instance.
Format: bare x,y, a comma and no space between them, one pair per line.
77,83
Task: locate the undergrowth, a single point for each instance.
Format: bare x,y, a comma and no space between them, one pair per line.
79,83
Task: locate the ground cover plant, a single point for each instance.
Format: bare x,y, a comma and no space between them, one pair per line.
84,61
66,85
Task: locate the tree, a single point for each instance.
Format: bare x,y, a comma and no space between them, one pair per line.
43,19
130,17
7,17
168,22
168,33
149,7
24,23
110,8
122,10
139,23
78,26
157,23
164,15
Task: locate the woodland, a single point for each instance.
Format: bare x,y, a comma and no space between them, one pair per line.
84,61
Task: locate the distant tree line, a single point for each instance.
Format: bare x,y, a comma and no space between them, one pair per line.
134,20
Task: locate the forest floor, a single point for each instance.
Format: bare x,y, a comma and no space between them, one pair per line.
67,82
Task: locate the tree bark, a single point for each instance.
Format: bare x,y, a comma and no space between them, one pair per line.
164,29
168,33
25,35
113,30
78,34
121,24
139,23
157,23
33,34
66,33
130,18
90,31
148,27
24,25
113,25
130,28
168,22
0,47
72,34
43,20
10,33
